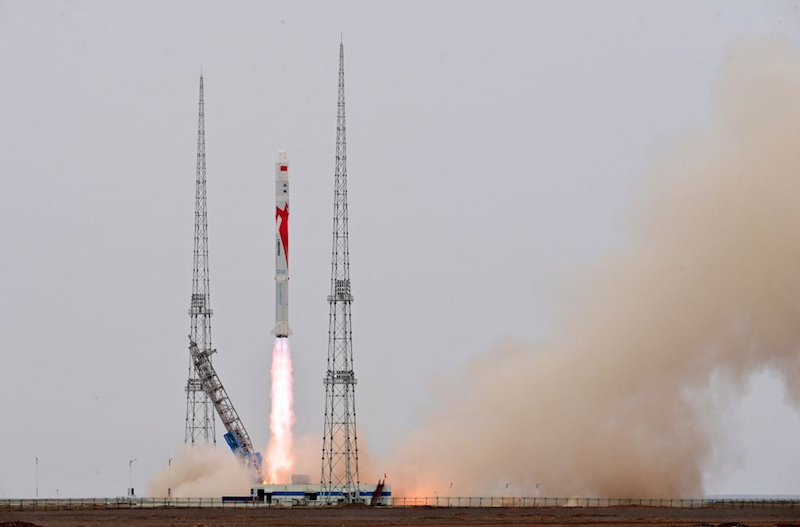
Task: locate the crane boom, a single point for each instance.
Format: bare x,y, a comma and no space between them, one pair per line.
236,437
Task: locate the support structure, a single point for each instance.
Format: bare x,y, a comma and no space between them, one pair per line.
200,421
340,479
236,437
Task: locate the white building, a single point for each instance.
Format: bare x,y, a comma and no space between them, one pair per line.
308,494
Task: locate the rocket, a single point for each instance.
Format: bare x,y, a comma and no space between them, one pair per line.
282,246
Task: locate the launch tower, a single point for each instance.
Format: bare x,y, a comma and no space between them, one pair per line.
199,410
339,478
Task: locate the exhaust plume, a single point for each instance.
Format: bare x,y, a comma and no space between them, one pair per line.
618,401
280,457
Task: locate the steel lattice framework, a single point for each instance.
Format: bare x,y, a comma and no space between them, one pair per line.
200,421
340,442
237,437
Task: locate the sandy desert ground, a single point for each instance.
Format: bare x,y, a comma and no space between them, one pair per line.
416,516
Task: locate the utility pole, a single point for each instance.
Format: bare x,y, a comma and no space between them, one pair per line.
130,477
169,478
526,492
200,420
37,478
339,441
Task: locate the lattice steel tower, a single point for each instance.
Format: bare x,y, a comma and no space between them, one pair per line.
199,410
339,442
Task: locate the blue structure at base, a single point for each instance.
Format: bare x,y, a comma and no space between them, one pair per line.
236,448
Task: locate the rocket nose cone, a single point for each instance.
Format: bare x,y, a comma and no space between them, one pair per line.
282,157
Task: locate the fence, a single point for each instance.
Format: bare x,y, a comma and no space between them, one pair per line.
157,503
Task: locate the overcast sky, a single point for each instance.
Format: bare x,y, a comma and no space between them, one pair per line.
492,147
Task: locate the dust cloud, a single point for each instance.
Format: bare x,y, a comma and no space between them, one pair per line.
202,471
618,402
307,451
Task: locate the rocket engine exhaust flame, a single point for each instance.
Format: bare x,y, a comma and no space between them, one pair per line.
280,459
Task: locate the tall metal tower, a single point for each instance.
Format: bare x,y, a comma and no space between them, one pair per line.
199,410
339,442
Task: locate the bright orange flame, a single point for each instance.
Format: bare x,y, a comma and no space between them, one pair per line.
280,459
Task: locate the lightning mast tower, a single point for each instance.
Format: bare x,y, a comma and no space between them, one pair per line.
199,410
339,442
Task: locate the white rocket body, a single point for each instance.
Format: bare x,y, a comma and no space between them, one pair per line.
282,246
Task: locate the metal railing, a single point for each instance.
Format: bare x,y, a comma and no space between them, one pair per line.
517,502
441,501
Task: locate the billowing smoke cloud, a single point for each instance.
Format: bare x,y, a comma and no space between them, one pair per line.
617,401
308,447
202,471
